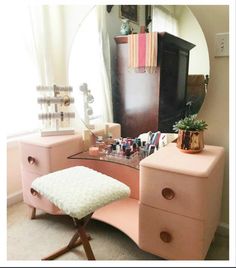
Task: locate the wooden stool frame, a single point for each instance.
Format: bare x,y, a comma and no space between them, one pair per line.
80,237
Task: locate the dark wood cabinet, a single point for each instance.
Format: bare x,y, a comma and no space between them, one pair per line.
144,101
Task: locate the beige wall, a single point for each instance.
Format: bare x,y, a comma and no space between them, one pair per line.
215,110
190,30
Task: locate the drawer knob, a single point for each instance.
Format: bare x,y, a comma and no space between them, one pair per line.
168,193
33,192
31,160
165,237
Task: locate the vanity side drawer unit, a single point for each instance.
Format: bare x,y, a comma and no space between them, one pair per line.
42,155
185,188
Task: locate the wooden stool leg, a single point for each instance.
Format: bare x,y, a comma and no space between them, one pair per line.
32,212
85,242
72,244
80,237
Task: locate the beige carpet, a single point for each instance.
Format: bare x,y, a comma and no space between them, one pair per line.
33,239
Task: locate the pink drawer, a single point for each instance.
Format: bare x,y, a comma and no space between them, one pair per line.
170,236
185,184
35,158
196,197
36,201
41,160
173,192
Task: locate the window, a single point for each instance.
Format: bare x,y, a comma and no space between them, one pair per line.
163,20
85,67
35,53
19,73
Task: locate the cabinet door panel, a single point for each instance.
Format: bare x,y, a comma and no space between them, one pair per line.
136,98
174,70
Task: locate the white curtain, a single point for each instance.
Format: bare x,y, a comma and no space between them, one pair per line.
105,63
35,55
38,40
49,43
90,63
163,21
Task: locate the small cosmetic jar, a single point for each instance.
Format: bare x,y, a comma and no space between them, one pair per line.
94,151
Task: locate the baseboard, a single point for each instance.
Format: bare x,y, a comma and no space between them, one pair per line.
223,229
14,198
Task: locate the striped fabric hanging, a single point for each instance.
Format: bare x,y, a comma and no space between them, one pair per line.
142,50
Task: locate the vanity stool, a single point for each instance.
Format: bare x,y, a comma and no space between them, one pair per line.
79,191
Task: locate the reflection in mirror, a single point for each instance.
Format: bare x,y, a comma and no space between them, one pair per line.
179,20
143,102
176,20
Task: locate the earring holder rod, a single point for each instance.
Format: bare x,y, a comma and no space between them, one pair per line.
52,88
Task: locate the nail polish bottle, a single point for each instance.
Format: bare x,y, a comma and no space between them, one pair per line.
135,147
108,149
117,147
128,152
123,147
139,142
113,148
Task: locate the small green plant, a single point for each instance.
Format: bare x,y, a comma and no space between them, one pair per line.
190,123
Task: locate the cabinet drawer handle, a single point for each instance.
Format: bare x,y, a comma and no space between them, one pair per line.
31,160
33,192
165,237
168,193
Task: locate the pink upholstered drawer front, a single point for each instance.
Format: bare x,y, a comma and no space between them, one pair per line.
35,158
36,201
178,193
170,236
43,160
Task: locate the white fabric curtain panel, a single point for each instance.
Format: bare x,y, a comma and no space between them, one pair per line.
164,21
49,43
90,63
105,63
42,38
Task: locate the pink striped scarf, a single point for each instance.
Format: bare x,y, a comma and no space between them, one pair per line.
142,49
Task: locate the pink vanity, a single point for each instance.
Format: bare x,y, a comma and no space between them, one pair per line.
175,201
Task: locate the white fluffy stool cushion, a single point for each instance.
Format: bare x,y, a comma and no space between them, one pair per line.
79,191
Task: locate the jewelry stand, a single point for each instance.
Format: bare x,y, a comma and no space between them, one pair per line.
88,111
55,117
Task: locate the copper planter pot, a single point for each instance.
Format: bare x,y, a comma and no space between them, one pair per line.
190,141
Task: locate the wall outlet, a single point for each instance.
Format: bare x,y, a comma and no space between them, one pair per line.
222,44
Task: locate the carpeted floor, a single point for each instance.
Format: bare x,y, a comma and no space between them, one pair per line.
33,239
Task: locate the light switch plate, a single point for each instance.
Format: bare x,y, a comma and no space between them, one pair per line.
222,45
